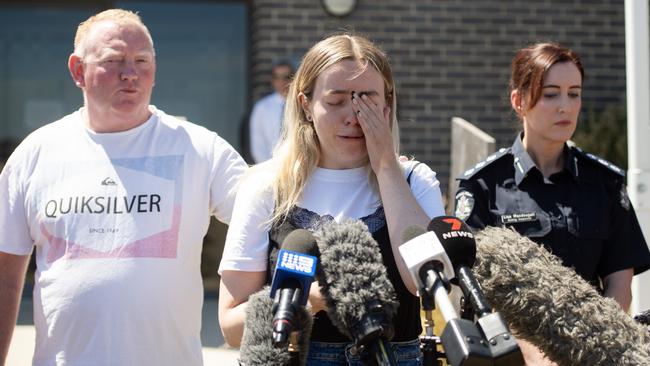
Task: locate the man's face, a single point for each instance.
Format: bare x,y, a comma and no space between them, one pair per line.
280,78
118,71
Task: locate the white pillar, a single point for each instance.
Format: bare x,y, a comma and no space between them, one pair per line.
638,130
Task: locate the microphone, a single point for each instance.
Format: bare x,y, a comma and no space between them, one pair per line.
458,242
643,318
294,273
429,266
360,298
257,347
431,269
553,307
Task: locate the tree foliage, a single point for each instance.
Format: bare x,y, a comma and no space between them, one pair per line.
605,134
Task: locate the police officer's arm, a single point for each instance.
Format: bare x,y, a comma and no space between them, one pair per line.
471,204
12,278
618,286
625,252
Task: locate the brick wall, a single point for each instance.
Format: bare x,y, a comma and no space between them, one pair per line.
451,57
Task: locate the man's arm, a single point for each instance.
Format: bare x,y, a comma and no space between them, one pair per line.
12,278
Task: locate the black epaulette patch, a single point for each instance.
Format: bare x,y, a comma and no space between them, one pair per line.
601,161
480,165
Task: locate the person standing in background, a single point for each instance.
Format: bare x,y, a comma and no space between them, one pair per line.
265,124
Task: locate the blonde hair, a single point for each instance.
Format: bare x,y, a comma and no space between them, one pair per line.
298,152
118,16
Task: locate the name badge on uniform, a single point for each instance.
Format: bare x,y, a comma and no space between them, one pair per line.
515,218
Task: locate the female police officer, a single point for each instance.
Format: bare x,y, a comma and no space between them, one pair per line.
572,202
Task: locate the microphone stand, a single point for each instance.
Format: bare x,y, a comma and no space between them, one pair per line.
461,339
294,348
429,341
503,345
382,352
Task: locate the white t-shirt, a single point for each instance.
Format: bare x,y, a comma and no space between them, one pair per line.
265,126
118,221
338,193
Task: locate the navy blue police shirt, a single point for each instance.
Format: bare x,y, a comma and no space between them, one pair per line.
581,214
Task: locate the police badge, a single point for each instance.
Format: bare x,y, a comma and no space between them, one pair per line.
464,205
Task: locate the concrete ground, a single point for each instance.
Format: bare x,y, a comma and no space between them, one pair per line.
215,352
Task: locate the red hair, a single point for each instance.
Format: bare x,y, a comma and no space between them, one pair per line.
531,64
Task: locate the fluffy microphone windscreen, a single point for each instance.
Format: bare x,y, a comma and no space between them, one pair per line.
352,274
257,347
552,306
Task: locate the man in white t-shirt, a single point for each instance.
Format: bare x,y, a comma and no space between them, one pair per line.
266,117
116,198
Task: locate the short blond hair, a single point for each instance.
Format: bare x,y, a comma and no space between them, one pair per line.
118,16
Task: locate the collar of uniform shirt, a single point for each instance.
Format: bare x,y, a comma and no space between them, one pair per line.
524,163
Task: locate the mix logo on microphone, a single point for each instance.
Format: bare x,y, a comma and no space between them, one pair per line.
297,262
455,223
456,232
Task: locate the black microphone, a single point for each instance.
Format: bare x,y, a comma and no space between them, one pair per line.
553,307
292,278
643,318
431,269
458,240
257,347
360,298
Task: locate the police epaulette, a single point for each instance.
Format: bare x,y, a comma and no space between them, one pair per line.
599,160
482,164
